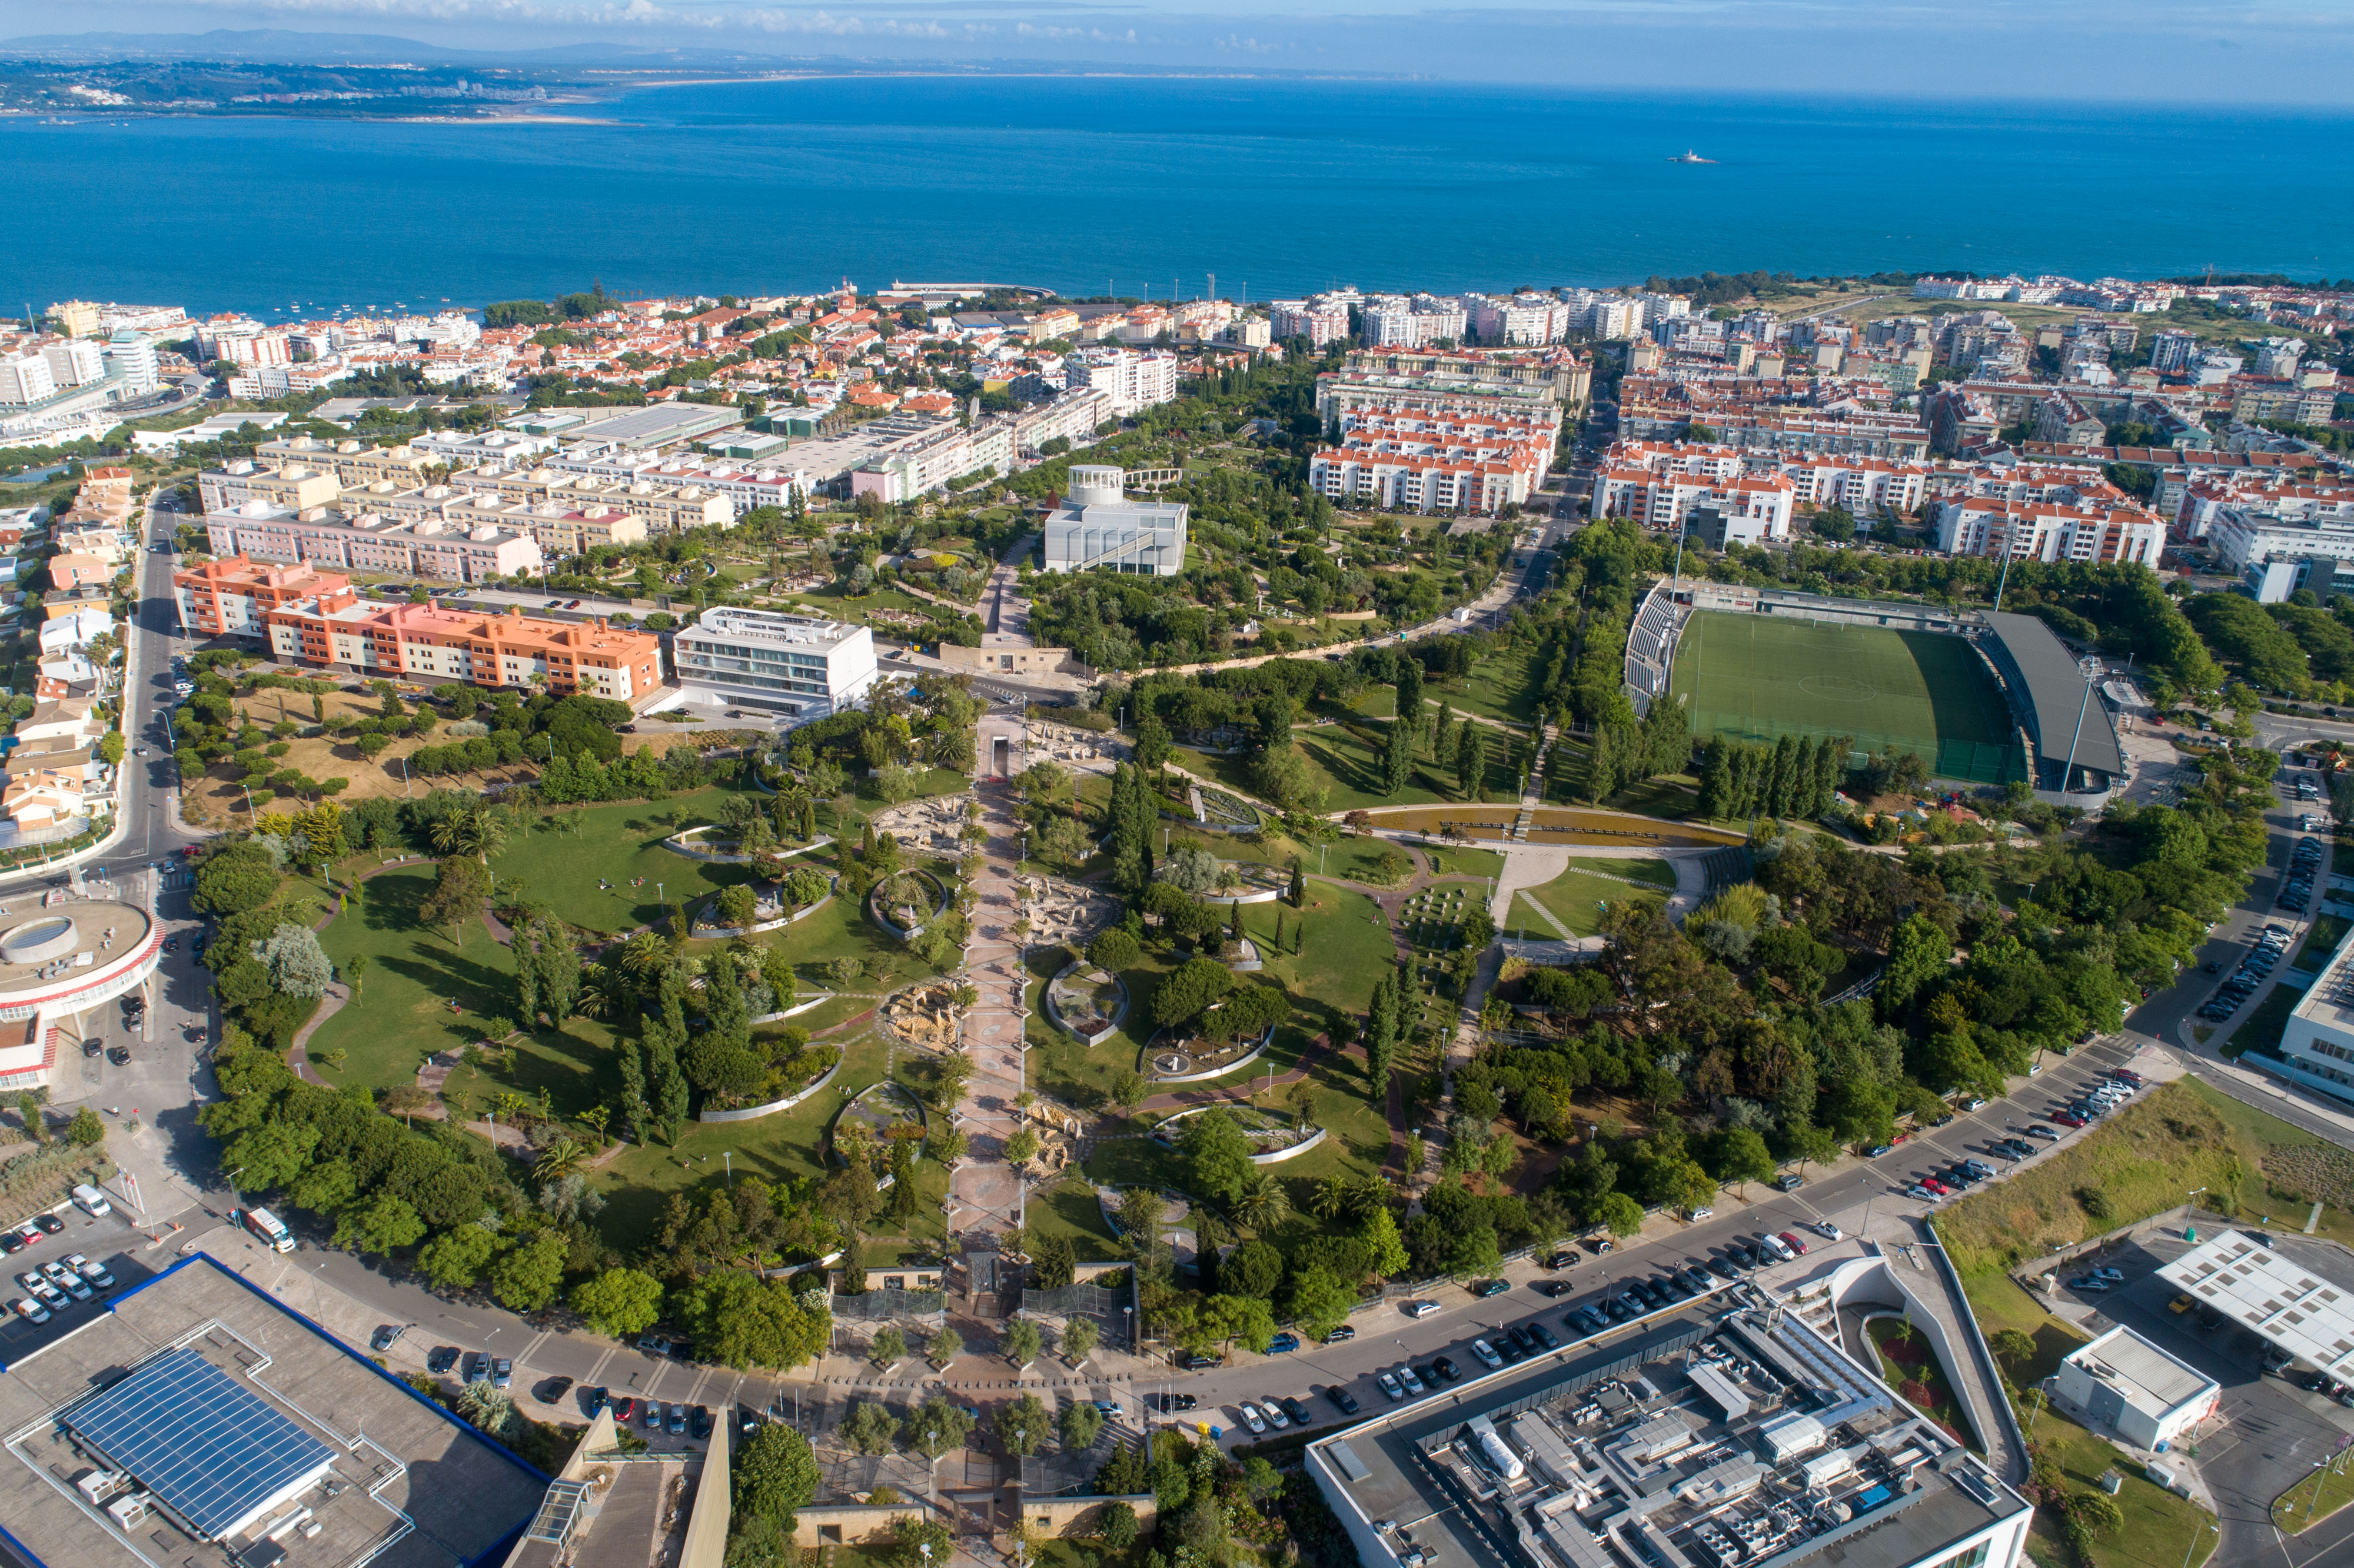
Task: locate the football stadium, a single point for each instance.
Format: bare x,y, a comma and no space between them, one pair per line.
1966,692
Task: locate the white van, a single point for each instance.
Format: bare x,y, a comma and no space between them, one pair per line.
90,1200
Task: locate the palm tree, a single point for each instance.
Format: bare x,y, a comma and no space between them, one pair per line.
560,1158
1333,1197
644,956
474,830
1262,1201
1368,1195
596,999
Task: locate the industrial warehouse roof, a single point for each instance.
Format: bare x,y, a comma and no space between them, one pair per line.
2055,689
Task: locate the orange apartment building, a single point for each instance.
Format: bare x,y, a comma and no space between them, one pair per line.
314,617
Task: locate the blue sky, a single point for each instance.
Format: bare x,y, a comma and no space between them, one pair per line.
2260,52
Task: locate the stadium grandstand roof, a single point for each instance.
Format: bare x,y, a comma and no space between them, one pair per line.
2055,691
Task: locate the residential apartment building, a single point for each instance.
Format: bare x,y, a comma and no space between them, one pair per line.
1097,526
1748,508
1318,321
352,463
1073,416
1406,459
2050,531
2241,534
665,509
232,597
292,485
928,461
800,665
1397,321
514,649
1133,381
373,541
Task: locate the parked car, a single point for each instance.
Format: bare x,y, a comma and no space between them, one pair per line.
1343,1332
1552,1287
443,1359
1917,1191
1446,1368
1300,1414
1411,1380
1341,1397
1793,1241
698,1421
1283,1343
1390,1386
1486,1354
1418,1308
385,1337
1275,1415
1789,1181
1201,1361
1876,1151
1485,1288
95,1273
32,1311
2087,1285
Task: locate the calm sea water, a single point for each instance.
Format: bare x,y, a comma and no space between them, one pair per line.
1145,186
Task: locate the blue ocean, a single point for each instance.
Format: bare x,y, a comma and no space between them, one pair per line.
1150,187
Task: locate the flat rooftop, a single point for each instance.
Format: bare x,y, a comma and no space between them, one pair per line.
50,943
405,1484
773,625
1699,1439
2288,1304
2151,1380
656,424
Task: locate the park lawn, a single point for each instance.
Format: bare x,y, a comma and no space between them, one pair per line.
929,781
420,993
786,1147
1454,861
1344,944
1344,760
1658,873
1675,796
563,856
1570,898
1068,1209
839,929
1058,1064
1500,687
2161,1529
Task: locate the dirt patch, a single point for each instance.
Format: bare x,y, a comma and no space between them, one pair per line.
2317,1172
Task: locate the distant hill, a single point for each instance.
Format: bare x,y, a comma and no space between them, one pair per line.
273,46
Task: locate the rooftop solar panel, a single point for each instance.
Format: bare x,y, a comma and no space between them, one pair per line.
211,1451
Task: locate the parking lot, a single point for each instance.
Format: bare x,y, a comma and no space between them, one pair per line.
2271,1431
107,1242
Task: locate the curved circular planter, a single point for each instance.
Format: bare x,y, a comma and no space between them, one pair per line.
1272,1157
904,1099
875,905
1253,1055
754,1113
1084,1036
705,932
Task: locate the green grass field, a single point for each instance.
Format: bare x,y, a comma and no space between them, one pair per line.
1755,677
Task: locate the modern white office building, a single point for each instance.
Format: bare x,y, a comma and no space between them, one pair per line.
798,665
1098,526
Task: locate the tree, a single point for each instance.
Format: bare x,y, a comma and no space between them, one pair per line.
458,890
455,1259
774,1477
888,1346
236,878
1054,1263
1216,1155
1079,1340
870,1429
1811,1145
1119,1527
354,972
944,1347
1021,1341
1114,950
1082,1423
910,1535
1397,755
1743,1158
739,1319
1386,1249
526,1279
1619,1214
384,1224
1183,995
1318,1301
297,964
618,1302
1022,1427
269,1156
2096,1513
86,1130
937,1428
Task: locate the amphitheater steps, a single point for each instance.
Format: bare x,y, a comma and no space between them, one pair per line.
1535,792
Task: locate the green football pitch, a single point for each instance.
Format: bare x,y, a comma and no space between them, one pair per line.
1757,678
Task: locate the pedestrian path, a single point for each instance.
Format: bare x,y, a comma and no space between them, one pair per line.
985,1192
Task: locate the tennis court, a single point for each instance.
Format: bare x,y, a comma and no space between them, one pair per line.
1758,677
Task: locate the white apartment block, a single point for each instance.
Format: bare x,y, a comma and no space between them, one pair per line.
2241,534
25,379
74,362
1406,459
1133,381
1752,507
1520,318
1098,526
131,356
2050,531
800,665
1391,321
1071,415
927,461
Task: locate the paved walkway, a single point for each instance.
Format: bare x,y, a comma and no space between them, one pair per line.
985,1193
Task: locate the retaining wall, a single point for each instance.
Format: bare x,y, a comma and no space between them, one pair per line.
1085,1038
754,1113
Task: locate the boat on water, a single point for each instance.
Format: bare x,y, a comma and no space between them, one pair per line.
1689,156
